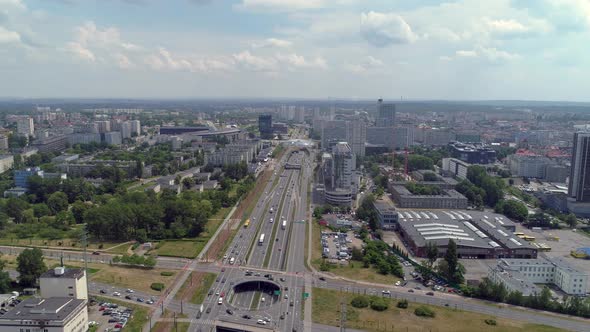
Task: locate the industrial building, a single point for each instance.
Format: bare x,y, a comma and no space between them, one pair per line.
522,275
477,234
57,314
386,214
449,199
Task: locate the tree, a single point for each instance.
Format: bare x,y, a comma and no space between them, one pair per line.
571,220
15,208
4,278
451,267
430,176
57,202
431,253
512,209
30,266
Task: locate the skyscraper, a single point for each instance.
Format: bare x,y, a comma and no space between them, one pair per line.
343,166
578,200
265,126
385,114
357,136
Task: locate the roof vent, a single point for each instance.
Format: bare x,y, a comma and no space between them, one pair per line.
59,271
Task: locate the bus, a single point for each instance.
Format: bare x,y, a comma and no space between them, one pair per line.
528,238
284,225
261,240
247,223
519,234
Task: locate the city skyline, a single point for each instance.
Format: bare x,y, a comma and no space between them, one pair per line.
448,50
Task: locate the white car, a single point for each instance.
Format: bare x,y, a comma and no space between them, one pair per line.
397,283
220,301
129,290
386,292
261,322
116,294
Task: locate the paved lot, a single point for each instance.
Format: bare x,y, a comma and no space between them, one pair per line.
95,314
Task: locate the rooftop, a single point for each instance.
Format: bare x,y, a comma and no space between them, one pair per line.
67,274
55,309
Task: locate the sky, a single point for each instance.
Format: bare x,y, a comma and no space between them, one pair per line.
319,49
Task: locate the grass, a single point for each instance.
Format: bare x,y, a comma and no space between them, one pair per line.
255,301
138,319
326,310
194,289
71,244
188,248
169,326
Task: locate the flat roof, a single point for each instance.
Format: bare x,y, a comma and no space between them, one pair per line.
468,228
54,308
69,273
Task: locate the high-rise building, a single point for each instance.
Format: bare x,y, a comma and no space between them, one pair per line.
25,126
125,130
334,132
385,114
103,126
265,126
135,127
300,115
343,166
579,185
357,136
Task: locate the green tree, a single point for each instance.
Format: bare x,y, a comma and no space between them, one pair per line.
30,266
512,209
57,202
431,253
4,277
571,220
15,208
451,267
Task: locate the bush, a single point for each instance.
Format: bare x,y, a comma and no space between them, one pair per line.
491,322
403,304
423,311
157,286
379,304
360,302
167,274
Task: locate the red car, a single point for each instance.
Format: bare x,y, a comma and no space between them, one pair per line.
222,294
101,309
118,326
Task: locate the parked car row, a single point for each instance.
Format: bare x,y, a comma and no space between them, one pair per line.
118,316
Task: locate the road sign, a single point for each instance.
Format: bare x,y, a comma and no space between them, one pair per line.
305,295
277,292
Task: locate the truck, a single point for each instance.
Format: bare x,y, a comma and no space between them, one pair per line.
232,261
261,240
271,209
284,224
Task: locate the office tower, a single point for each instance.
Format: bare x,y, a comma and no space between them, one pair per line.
103,126
385,114
334,132
265,126
343,166
25,126
300,115
579,184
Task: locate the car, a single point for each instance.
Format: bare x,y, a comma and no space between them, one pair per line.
282,316
229,311
225,256
223,281
208,310
129,290
322,279
277,239
95,253
222,294
280,249
263,299
217,293
247,317
386,292
430,293
149,302
286,296
116,294
223,269
102,291
210,292
220,301
397,283
128,297
291,304
217,280
410,291
417,288
446,304
261,322
139,299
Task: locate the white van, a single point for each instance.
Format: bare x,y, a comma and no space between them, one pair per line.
220,301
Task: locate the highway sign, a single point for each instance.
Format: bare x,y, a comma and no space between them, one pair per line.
305,295
277,292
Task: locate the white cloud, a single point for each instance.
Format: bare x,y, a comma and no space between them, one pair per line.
385,29
18,4
80,51
297,61
248,61
368,63
272,42
508,28
123,61
7,36
282,5
466,54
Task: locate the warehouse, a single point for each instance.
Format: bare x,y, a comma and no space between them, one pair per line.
477,234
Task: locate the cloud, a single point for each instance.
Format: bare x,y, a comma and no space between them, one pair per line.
282,5
272,42
294,61
368,63
80,51
7,36
564,15
248,61
123,61
385,29
489,54
510,28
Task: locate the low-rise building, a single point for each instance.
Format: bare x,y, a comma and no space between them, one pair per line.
64,282
6,162
542,270
449,199
455,167
386,213
55,314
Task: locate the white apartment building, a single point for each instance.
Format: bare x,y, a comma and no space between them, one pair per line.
25,126
456,167
541,271
62,282
6,162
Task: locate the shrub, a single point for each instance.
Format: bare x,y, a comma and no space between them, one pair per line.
491,322
379,304
100,246
423,311
403,304
157,286
360,302
166,274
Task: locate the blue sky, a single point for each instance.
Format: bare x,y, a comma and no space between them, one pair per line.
420,49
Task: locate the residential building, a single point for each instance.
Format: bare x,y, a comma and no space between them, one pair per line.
3,142
25,126
135,127
357,136
385,114
529,166
103,126
557,173
55,314
84,138
6,162
542,270
113,138
56,143
384,136
334,132
64,282
265,126
125,130
455,167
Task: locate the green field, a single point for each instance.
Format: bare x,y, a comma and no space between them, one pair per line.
188,248
326,310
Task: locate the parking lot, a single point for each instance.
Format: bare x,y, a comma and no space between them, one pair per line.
337,246
109,316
